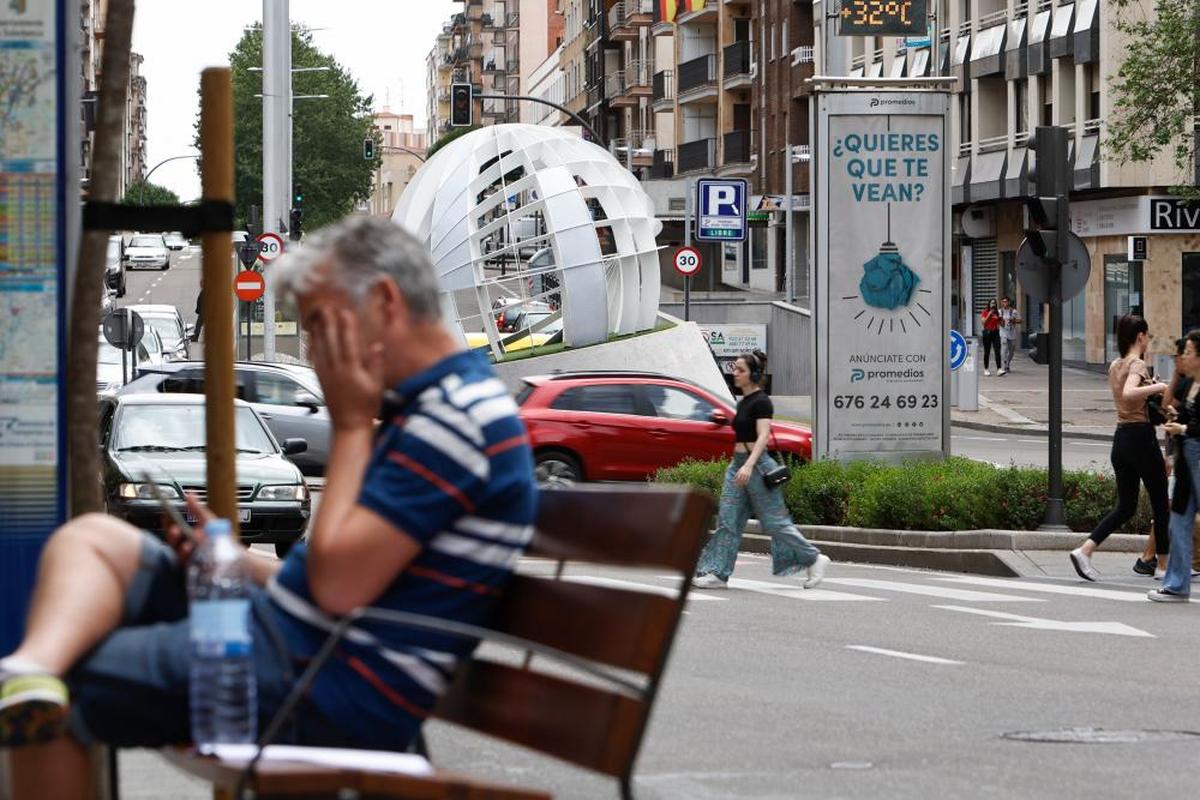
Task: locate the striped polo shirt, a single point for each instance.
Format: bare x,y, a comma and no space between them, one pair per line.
452,469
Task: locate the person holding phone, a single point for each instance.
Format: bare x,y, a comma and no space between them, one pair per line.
1136,457
990,318
1010,319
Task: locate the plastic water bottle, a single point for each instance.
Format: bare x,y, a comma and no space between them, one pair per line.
224,702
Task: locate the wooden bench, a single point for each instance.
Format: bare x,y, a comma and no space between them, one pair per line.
620,636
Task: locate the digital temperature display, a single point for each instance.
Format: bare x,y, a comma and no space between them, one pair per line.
883,17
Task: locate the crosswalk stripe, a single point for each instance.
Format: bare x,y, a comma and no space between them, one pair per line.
944,592
1049,588
797,592
649,588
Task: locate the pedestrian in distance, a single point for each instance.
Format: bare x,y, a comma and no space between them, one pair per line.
1185,430
1136,456
1010,318
428,505
990,317
744,489
199,312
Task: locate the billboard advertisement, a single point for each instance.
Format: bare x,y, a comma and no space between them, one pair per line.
882,227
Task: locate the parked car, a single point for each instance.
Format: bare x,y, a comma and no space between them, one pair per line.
111,376
287,397
114,265
625,425
175,240
168,324
147,250
164,436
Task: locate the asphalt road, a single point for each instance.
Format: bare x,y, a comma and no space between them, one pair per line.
177,286
884,683
1027,451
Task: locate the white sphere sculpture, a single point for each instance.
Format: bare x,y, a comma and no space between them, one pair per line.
517,216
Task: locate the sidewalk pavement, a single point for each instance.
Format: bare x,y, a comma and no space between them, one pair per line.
1016,403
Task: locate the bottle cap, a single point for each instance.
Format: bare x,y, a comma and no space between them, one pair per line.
218,527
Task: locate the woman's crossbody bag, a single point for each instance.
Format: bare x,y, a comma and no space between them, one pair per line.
778,476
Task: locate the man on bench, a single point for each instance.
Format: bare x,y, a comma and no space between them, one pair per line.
428,514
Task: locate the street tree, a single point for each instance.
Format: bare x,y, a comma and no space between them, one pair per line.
1157,88
448,138
327,133
144,193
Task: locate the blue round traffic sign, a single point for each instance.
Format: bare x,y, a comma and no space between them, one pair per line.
958,349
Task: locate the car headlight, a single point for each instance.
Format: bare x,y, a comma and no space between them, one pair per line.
145,491
291,491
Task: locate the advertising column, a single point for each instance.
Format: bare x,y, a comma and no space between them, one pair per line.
31,244
882,231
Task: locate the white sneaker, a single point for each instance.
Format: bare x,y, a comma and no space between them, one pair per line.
709,582
987,372
1159,574
816,572
1195,574
1001,372
1163,596
1083,565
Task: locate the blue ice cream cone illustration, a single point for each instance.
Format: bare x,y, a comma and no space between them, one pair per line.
887,282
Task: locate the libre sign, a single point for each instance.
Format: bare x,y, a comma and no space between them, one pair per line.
882,231
722,210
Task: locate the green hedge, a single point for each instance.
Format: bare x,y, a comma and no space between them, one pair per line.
950,495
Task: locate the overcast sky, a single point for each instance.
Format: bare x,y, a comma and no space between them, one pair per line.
382,43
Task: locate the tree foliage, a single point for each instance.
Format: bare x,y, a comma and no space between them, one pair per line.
1157,89
327,133
144,193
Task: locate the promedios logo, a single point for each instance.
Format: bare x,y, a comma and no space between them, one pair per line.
892,101
857,375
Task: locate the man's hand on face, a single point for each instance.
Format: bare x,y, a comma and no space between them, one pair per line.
175,538
350,372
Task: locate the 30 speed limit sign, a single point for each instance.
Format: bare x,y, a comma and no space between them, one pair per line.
687,261
270,246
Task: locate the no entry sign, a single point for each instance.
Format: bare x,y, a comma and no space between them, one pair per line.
249,286
687,261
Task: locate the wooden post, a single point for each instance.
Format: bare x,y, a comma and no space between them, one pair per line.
216,178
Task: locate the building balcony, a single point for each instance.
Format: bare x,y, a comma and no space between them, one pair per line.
696,80
636,150
614,90
737,61
664,90
627,17
736,148
663,164
709,13
696,156
660,26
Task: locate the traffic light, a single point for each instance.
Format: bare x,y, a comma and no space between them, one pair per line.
296,223
1050,175
460,105
369,149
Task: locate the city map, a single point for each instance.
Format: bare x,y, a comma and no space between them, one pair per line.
27,102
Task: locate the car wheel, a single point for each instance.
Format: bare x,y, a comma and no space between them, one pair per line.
555,469
282,549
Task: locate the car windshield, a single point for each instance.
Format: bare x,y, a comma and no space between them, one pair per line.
145,241
180,428
108,354
114,250
167,329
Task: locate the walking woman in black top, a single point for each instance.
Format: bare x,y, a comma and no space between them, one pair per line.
744,489
1136,456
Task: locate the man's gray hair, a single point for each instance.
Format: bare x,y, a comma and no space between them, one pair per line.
361,251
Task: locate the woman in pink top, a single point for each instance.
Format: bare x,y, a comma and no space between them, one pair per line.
990,317
1136,457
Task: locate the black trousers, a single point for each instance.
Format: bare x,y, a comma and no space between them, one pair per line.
1137,459
991,344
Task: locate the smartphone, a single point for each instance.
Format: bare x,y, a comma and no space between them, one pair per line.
170,510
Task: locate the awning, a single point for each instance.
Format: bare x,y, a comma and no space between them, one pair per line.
1087,32
857,72
1039,60
1015,57
962,55
920,63
987,176
875,70
960,180
1060,41
899,67
1016,174
986,57
1087,167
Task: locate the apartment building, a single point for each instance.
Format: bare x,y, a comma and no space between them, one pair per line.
402,151
1024,64
92,16
479,45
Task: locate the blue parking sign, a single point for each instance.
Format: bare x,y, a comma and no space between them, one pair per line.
721,210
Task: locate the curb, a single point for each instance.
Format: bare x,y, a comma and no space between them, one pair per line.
990,427
976,562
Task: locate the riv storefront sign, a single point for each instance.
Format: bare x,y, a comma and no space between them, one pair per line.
1142,214
882,233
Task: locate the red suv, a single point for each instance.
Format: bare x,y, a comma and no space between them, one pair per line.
625,425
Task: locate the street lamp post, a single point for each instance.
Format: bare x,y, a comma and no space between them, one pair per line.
146,179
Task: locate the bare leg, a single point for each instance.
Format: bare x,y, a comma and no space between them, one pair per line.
83,576
57,770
